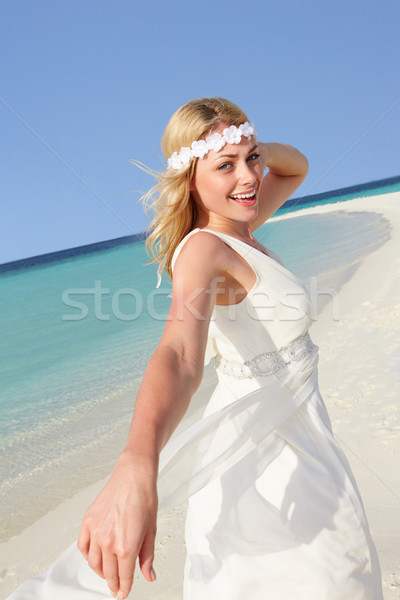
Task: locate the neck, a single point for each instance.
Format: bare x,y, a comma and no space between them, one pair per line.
235,228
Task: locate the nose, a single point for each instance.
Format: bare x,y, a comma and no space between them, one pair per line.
247,176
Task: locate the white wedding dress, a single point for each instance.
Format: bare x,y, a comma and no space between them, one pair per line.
274,512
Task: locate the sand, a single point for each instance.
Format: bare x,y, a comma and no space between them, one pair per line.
359,339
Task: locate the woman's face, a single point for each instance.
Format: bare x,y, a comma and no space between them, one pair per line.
226,184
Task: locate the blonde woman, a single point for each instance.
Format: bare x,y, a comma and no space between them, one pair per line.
274,511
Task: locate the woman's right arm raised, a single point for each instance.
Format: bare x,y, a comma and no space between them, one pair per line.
120,526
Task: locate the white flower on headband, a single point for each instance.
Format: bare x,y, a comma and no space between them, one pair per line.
247,129
174,161
232,134
200,148
186,155
215,141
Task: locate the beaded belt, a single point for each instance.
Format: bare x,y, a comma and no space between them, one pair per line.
267,363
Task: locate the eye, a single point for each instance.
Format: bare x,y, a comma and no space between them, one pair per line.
224,166
253,156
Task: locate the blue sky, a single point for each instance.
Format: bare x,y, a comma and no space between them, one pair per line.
88,84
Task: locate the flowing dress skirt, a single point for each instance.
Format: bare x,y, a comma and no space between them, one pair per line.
285,522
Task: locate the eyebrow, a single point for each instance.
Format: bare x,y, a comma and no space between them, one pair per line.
234,155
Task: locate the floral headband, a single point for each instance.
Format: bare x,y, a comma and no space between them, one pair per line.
215,141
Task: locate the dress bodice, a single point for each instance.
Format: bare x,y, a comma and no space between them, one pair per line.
275,311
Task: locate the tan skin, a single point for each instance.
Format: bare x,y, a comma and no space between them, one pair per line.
119,528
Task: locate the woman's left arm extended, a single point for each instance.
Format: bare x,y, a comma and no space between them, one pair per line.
287,169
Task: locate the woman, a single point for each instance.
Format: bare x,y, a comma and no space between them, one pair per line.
274,511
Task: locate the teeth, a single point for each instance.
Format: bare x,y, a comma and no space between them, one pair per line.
243,196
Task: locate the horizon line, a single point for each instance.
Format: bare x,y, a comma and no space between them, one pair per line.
48,257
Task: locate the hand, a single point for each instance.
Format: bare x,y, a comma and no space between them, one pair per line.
120,526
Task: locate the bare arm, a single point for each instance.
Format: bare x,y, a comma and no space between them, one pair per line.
287,169
120,526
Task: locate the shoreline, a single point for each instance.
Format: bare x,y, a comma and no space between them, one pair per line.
361,393
54,458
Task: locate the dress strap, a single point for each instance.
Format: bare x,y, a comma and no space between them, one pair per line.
240,246
230,240
175,255
237,245
247,252
180,246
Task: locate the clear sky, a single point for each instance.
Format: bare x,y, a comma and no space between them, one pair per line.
88,84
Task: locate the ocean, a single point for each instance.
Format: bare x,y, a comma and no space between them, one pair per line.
78,327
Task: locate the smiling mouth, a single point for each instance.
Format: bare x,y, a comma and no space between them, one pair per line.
244,198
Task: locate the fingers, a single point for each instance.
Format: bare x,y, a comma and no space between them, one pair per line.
84,542
146,556
95,559
126,572
111,553
110,571
118,571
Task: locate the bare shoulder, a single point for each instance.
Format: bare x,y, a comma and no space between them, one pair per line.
203,253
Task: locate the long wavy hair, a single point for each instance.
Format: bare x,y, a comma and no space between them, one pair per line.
170,201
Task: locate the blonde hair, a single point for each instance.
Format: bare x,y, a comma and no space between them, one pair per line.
170,201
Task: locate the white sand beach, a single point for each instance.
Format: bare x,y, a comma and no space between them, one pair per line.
359,339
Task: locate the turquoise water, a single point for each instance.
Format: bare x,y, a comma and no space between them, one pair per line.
76,336
46,337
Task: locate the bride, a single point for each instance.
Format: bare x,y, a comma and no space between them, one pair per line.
274,511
